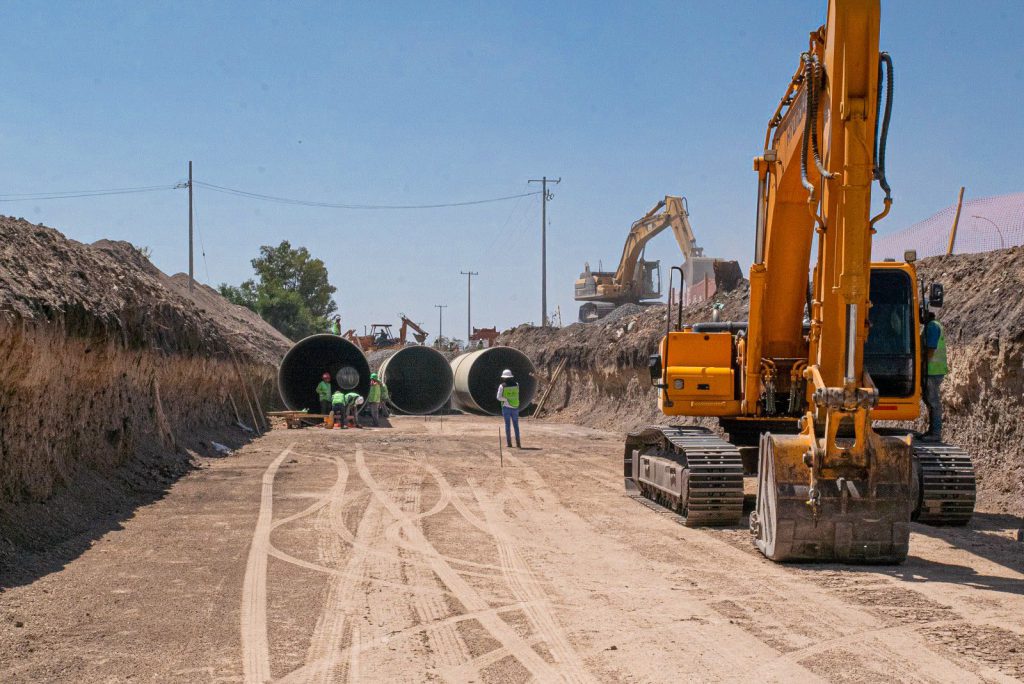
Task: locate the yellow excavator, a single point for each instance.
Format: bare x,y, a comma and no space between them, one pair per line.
637,279
800,387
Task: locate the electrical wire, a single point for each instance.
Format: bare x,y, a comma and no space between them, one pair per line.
70,194
199,230
340,205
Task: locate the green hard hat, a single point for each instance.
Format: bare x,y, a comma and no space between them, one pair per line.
373,376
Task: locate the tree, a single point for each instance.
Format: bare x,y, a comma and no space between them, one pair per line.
290,291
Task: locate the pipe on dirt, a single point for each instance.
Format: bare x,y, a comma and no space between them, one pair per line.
419,380
478,374
304,364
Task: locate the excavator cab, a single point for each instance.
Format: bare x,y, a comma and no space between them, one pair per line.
892,351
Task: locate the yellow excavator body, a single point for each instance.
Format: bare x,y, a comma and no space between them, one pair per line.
801,383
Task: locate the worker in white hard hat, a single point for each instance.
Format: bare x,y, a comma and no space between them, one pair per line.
508,395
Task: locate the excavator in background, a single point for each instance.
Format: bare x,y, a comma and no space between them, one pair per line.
381,337
636,279
803,383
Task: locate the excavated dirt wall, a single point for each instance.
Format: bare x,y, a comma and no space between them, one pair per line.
112,375
606,383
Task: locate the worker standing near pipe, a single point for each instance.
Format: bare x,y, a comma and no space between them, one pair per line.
353,401
508,395
338,407
323,390
375,397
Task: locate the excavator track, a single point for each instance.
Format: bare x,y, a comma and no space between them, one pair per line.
947,487
689,471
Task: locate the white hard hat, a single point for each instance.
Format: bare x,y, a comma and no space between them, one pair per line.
359,401
506,373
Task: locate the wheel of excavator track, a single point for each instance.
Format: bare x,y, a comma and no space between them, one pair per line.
708,467
946,484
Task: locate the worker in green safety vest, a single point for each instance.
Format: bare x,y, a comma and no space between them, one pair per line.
377,395
936,369
323,392
508,395
338,408
353,402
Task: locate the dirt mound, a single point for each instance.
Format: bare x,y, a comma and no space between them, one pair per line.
606,382
983,394
111,373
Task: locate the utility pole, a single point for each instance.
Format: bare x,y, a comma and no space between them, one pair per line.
440,311
544,196
469,302
191,278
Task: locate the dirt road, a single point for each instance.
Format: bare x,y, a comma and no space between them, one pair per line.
412,554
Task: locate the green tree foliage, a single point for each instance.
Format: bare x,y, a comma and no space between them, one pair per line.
290,290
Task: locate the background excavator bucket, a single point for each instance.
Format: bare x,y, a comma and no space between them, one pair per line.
863,517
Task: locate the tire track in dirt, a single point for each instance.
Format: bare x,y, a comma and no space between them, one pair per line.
467,595
779,606
443,643
525,587
518,576
325,646
255,646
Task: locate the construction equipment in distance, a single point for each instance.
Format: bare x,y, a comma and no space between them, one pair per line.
803,381
636,279
381,337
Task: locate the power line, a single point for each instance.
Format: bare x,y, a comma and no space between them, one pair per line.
341,205
70,194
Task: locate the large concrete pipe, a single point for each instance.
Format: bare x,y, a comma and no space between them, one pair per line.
419,380
305,363
478,374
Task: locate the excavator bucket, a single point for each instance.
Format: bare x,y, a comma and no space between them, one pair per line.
862,517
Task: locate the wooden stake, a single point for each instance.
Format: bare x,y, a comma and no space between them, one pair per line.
501,452
956,222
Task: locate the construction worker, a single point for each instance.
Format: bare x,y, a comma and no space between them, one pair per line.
323,391
937,367
338,407
377,395
508,395
353,402
334,327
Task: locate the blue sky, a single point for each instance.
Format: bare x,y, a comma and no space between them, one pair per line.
410,103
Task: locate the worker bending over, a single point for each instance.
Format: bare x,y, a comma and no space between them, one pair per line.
508,395
338,408
935,345
323,391
377,395
353,402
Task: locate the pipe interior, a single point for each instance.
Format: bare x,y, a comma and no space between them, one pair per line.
485,376
304,364
419,380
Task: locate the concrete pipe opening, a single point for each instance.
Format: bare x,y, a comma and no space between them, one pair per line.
304,364
419,380
478,374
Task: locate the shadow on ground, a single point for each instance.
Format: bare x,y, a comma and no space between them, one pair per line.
39,538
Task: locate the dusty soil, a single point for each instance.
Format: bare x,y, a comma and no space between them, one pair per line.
416,554
112,375
606,383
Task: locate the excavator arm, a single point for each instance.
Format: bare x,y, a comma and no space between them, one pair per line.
419,334
837,489
670,212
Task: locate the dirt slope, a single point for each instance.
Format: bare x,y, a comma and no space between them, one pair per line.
606,382
109,373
